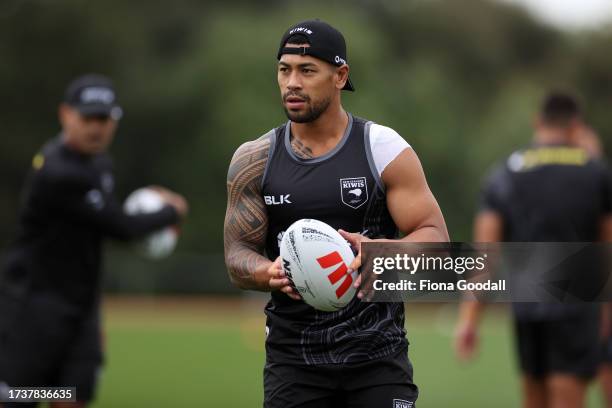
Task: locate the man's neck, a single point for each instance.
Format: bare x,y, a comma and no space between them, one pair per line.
328,127
72,146
551,136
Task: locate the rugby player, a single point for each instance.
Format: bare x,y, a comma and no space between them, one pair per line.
357,356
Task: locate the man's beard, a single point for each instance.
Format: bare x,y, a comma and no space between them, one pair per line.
312,113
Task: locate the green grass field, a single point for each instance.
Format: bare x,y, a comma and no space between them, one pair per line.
209,353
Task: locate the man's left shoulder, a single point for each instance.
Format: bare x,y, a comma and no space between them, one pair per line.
380,134
385,145
385,133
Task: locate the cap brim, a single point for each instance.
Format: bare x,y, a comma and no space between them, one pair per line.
94,109
349,85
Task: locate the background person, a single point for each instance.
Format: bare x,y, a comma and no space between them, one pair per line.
551,191
50,286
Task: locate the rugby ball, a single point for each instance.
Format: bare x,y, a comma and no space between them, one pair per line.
158,244
316,258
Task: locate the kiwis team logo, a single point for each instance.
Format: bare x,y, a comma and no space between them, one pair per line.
354,191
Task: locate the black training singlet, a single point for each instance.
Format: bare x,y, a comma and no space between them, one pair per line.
341,188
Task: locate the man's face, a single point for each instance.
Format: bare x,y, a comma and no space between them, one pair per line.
307,85
91,134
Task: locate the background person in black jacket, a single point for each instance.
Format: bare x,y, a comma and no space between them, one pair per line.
50,284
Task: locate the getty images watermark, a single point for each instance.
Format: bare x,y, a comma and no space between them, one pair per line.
428,263
500,272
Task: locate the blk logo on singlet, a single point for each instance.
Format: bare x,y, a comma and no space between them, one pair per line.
354,191
281,199
341,273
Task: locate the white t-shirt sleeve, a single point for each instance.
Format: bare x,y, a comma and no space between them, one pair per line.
386,144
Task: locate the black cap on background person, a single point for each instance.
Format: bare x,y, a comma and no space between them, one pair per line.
325,43
89,114
93,95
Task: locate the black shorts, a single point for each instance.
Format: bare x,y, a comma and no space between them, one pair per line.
47,342
384,383
562,346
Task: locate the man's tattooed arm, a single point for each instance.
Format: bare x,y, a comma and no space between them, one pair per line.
246,219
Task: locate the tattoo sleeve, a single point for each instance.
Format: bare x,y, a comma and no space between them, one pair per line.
246,219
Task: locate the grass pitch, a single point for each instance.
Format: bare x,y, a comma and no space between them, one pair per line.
209,353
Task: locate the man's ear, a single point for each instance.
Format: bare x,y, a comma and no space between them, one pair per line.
342,76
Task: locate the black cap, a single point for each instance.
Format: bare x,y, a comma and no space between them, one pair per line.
93,94
326,43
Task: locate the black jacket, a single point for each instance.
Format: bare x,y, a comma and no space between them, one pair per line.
68,209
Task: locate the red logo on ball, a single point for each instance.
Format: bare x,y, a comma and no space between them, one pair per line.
333,259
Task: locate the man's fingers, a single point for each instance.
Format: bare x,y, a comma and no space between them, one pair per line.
465,350
355,241
356,264
290,292
357,281
278,283
276,270
361,294
465,343
365,283
279,280
344,234
277,264
352,238
364,287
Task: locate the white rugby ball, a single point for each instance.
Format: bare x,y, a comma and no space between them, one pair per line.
158,244
316,258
